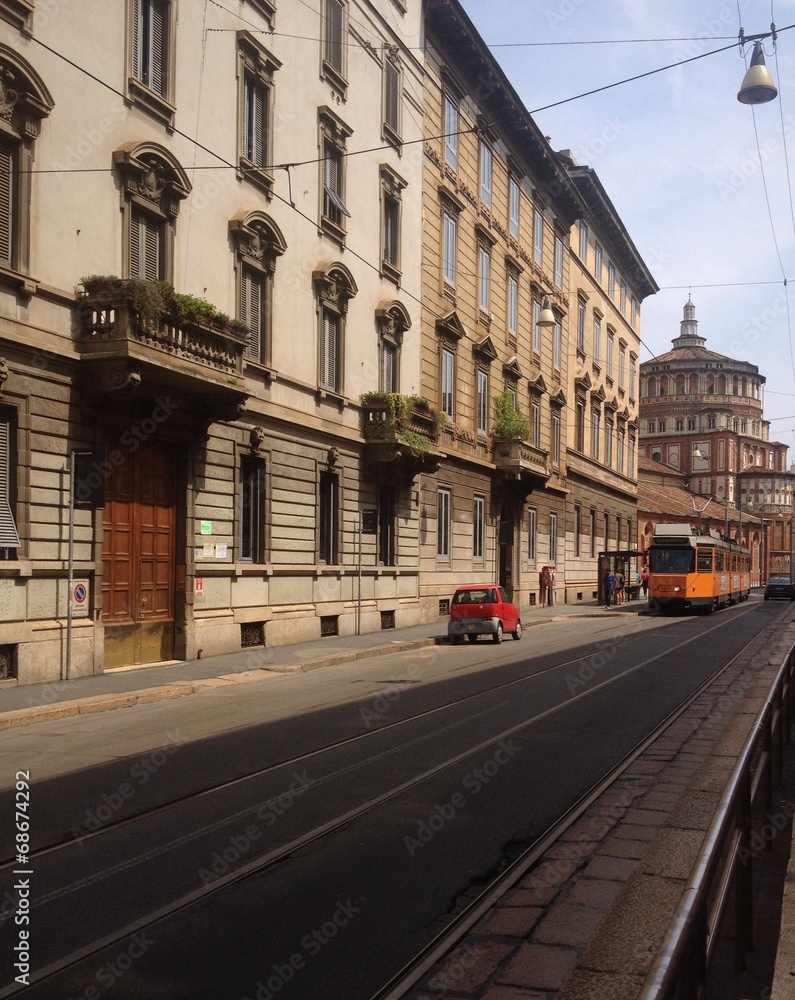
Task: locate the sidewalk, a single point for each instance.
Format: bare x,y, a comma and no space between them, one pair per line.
30,703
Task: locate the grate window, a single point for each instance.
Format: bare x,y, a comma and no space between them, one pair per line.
8,662
329,625
444,606
252,634
387,620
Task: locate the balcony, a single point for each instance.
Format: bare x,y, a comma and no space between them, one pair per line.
135,333
401,434
521,462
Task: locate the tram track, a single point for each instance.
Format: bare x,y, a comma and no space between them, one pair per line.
412,971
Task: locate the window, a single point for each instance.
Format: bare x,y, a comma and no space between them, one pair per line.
634,310
557,345
483,401
391,206
392,322
596,427
558,262
484,277
478,526
532,533
597,340
579,430
538,237
556,439
631,458
333,137
607,530
256,69
623,297
486,162
392,98
333,65
443,524
621,450
334,287
513,304
611,281
536,327
610,343
328,526
593,532
153,184
633,374
577,529
661,427
651,427
150,44
147,245
609,428
386,525
584,242
581,327
252,509
448,381
597,262
450,233
535,424
9,536
553,538
258,242
622,364
680,424
513,207
450,132
26,103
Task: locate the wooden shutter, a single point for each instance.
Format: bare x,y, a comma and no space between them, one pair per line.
391,95
387,368
146,246
157,46
254,114
251,312
328,352
334,15
8,529
6,205
137,37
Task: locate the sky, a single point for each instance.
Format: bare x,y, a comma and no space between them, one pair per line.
703,184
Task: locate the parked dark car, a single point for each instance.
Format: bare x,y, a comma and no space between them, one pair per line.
779,588
483,609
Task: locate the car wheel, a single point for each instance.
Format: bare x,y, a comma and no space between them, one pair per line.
517,632
497,637
472,638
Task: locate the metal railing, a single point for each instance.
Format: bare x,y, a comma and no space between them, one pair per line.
725,862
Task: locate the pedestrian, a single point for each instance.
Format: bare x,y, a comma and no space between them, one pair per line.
644,581
618,586
608,583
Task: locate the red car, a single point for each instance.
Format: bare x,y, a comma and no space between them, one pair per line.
482,609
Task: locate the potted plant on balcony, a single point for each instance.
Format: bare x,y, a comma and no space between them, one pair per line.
510,423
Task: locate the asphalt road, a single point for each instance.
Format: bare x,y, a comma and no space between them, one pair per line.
312,855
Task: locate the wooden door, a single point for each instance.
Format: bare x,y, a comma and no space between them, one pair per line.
139,546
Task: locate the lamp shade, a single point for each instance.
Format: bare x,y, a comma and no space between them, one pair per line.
546,318
757,86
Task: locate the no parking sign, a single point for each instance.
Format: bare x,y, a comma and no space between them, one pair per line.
80,594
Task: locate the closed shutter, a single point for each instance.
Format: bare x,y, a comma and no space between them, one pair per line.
138,34
391,96
252,313
157,47
8,529
334,14
146,246
254,123
328,353
387,368
6,205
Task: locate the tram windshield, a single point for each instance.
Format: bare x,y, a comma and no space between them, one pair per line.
667,559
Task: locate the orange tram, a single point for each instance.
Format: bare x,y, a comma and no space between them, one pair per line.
696,571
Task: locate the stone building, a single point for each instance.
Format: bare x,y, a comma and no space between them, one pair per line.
263,163
516,490
701,413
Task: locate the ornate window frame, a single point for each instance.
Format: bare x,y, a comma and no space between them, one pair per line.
24,103
258,242
159,105
154,181
335,75
392,320
334,287
255,64
19,13
333,134
392,187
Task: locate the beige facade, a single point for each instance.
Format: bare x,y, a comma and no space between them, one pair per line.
266,174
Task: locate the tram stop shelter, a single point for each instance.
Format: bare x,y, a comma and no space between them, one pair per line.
630,562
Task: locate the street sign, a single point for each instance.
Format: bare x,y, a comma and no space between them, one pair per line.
80,593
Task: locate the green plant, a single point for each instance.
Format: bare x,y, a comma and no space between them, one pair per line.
509,423
190,309
241,329
397,403
418,443
93,281
150,299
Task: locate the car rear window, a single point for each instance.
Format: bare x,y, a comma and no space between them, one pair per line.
476,595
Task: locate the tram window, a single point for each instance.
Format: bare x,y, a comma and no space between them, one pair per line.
670,560
704,560
719,560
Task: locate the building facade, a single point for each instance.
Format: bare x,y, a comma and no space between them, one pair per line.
222,465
